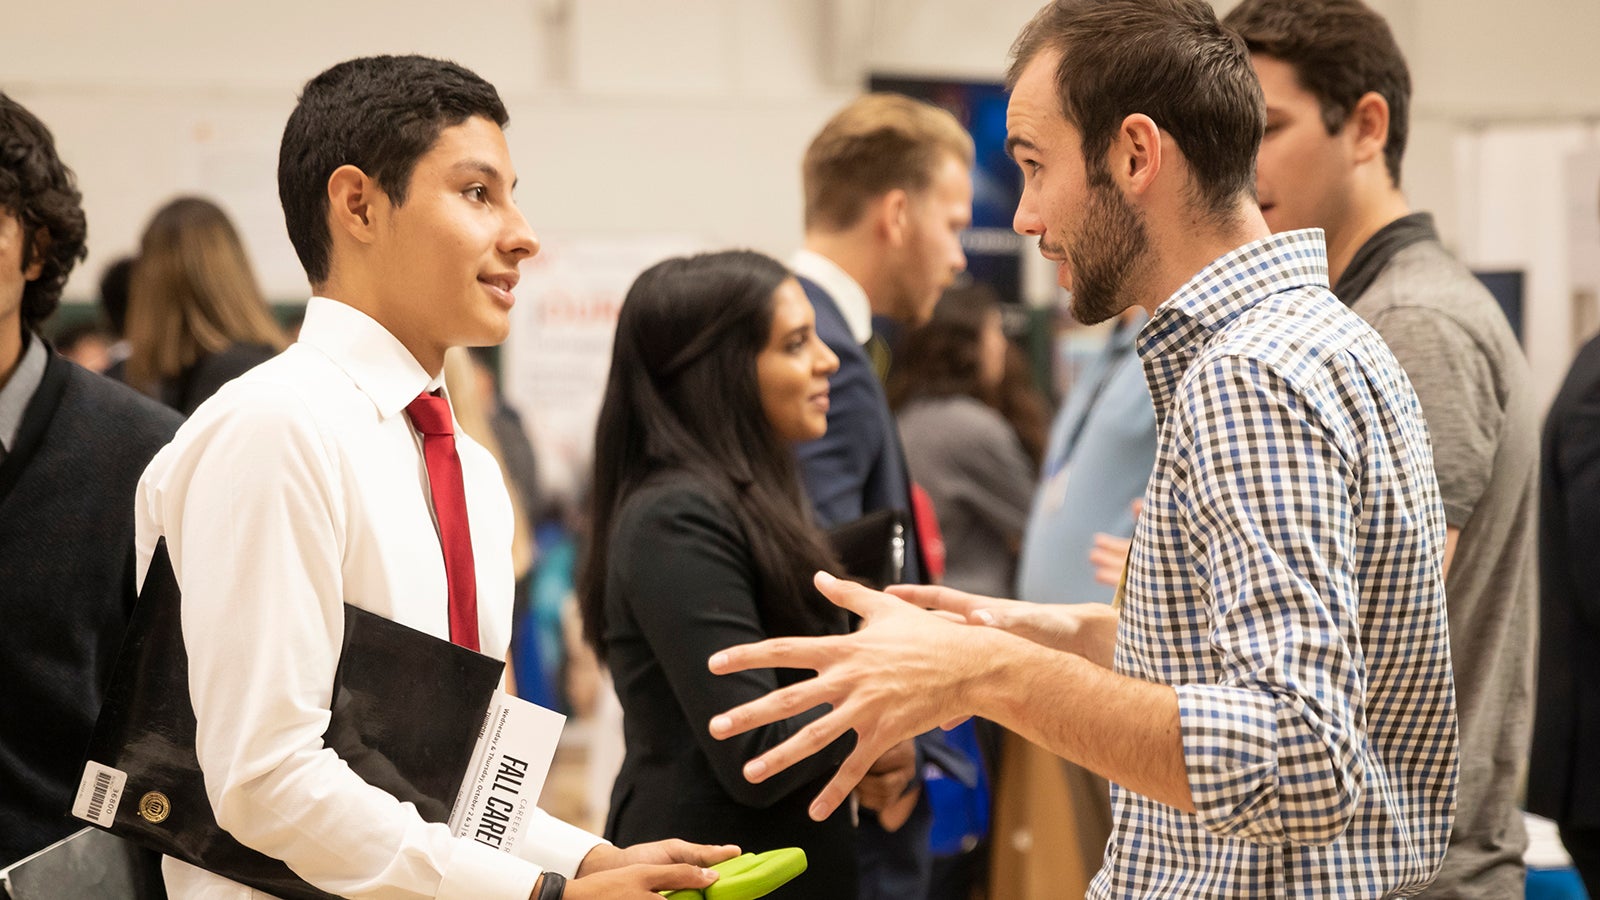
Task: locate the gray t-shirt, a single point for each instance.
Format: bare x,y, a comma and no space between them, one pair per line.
1455,345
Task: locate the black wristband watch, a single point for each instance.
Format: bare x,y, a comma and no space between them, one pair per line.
552,886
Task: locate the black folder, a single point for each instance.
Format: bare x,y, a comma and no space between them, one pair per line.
872,549
406,713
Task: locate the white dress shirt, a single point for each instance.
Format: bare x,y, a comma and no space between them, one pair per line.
297,488
847,293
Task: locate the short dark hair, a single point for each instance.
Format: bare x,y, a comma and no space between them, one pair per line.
380,114
37,188
1168,59
114,294
1340,50
691,329
876,144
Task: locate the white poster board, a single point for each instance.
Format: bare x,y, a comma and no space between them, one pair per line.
559,351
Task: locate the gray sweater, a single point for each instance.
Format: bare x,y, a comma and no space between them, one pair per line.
969,460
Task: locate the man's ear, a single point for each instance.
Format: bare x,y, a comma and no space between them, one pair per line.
38,249
1368,127
1134,157
353,198
892,216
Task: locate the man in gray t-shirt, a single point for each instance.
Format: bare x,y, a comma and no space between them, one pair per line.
1337,90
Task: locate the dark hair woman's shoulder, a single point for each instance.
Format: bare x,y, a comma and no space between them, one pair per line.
676,515
670,495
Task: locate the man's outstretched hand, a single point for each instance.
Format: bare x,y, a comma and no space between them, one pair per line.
903,672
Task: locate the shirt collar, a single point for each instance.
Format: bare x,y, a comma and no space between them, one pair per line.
847,293
1375,254
381,366
19,390
1231,285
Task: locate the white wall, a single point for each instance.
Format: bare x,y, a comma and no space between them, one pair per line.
639,116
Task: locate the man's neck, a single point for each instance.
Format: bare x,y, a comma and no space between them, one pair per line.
1367,218
857,257
1188,250
363,299
10,349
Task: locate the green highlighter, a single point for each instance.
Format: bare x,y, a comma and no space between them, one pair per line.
749,876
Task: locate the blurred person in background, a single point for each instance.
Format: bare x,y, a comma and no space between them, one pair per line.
1101,451
88,345
888,190
700,540
72,445
972,424
196,319
945,390
114,307
1564,780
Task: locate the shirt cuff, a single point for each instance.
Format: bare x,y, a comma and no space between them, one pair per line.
476,872
1230,757
558,846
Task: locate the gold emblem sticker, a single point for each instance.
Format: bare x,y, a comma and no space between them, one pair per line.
154,807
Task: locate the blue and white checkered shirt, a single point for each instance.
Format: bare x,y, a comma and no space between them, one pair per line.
1285,579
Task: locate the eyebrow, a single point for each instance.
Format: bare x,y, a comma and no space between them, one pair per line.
485,169
1013,142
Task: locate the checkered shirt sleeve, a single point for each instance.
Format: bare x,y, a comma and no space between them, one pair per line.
1285,580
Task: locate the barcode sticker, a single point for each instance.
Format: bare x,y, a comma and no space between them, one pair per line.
99,794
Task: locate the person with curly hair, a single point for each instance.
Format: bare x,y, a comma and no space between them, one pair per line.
72,445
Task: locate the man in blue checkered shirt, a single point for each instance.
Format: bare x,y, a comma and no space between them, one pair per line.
1272,697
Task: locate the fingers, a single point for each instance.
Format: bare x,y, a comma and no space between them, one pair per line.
943,599
953,724
672,877
776,653
680,851
900,757
774,707
898,812
878,792
857,598
1108,556
843,782
816,735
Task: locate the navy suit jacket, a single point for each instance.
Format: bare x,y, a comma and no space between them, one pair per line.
858,466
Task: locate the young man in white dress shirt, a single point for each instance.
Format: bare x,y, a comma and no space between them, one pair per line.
303,486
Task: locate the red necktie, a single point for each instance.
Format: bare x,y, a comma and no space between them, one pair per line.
431,416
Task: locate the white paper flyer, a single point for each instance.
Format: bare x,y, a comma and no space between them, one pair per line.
509,765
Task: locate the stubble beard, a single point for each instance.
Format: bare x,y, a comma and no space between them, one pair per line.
1107,252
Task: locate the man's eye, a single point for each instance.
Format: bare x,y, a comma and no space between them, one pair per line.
478,193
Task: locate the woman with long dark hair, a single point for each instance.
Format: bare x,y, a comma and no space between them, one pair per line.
973,431
701,540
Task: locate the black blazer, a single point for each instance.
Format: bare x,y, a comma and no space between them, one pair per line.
194,385
1563,779
680,585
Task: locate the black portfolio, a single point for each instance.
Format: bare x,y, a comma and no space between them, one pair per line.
872,548
406,712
